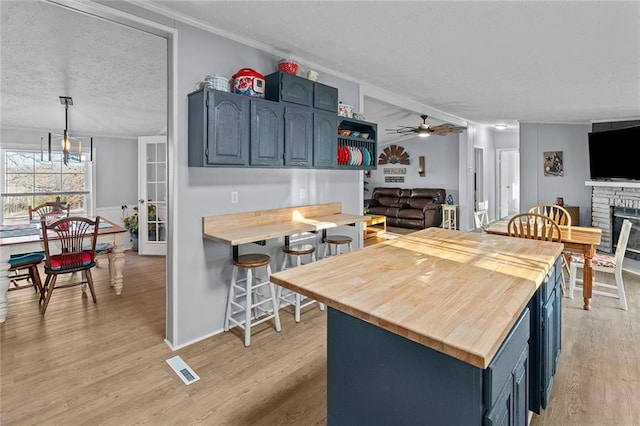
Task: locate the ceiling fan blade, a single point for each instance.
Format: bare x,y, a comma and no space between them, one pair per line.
402,131
446,128
424,129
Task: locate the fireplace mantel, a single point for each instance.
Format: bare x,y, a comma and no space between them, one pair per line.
614,183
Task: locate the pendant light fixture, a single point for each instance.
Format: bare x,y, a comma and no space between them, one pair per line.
67,141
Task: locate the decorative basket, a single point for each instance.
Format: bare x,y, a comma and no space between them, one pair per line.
288,66
220,83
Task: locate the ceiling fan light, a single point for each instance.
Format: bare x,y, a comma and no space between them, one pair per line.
424,134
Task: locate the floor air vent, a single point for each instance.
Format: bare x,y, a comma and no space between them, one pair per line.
181,368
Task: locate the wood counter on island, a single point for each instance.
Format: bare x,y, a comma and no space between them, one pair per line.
427,327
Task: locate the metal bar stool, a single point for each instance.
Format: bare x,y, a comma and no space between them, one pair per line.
337,241
241,297
291,297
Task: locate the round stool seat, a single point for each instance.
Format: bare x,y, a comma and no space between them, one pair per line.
300,249
253,260
338,239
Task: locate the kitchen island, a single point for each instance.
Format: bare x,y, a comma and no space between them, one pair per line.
438,327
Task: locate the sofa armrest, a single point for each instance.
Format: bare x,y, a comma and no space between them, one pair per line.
371,202
432,206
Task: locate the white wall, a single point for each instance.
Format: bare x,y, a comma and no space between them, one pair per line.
536,188
476,136
506,139
202,268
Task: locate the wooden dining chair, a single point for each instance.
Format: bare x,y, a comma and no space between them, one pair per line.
534,226
555,212
51,210
25,265
561,216
70,246
604,263
481,219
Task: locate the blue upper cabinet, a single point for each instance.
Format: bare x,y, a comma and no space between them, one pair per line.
325,139
298,136
283,87
296,126
218,129
267,133
357,144
325,97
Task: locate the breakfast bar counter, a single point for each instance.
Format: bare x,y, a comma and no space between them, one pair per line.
420,325
251,227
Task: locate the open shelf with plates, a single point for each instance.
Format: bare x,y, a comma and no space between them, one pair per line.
357,144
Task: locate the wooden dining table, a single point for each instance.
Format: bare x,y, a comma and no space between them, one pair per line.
579,239
17,238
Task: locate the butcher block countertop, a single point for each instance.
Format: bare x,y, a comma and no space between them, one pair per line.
456,292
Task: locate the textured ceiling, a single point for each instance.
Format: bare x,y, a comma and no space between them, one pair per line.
117,76
488,62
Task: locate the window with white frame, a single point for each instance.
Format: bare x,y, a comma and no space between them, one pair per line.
29,179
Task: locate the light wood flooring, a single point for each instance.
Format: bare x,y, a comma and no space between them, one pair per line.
86,364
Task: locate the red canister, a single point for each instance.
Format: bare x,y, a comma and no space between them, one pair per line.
248,82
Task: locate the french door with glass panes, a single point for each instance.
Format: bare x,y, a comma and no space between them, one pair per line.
152,195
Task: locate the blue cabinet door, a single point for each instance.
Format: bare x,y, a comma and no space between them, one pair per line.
521,388
325,97
227,139
546,338
267,133
548,343
325,139
283,87
511,405
298,137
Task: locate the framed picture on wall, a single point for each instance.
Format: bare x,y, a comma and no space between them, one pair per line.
552,162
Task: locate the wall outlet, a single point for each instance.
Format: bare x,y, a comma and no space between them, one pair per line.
303,193
234,197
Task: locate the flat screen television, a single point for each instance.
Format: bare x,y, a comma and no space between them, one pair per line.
612,154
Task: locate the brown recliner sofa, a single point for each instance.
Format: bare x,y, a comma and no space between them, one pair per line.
416,208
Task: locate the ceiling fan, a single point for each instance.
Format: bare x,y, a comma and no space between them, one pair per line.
424,130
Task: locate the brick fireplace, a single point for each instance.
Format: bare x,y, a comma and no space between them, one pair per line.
609,198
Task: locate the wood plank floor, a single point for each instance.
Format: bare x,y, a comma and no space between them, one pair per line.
105,363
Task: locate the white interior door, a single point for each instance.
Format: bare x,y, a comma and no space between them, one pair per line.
152,195
509,182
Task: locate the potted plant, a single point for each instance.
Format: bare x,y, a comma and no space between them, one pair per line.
131,225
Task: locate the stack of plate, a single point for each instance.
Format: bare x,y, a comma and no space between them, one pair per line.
354,156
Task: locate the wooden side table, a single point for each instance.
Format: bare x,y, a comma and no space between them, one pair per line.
449,216
370,230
